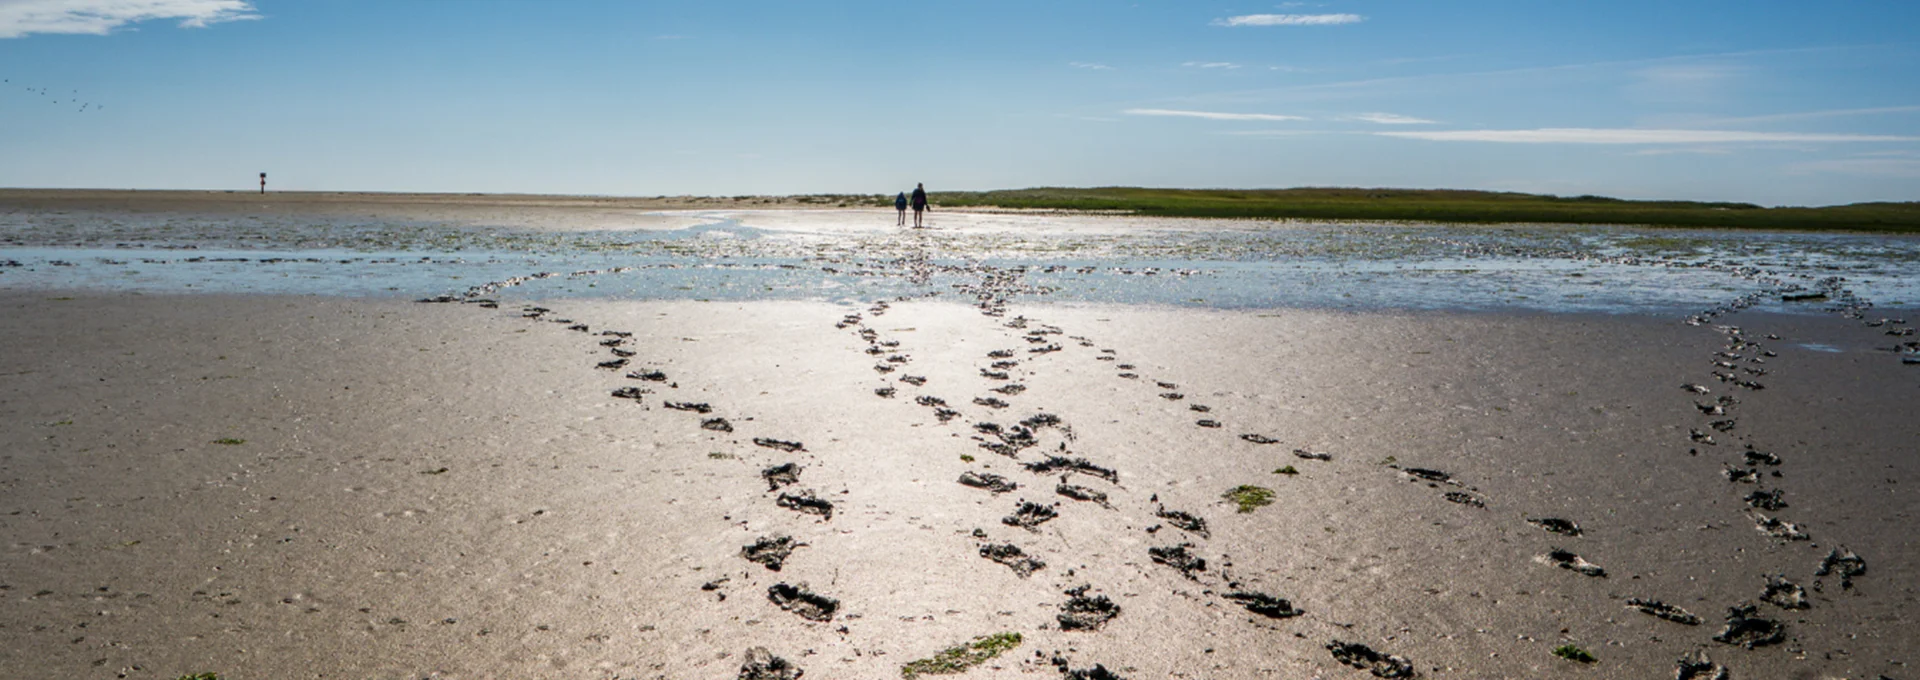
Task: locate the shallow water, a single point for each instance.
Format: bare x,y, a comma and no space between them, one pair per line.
1333,266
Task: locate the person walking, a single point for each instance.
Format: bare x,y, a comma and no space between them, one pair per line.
900,204
919,204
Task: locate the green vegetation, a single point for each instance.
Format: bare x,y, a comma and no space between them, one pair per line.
1573,653
1288,470
1440,205
202,676
966,458
229,441
959,658
1248,497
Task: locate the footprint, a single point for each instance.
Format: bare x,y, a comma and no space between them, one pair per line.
786,446
1784,594
1465,498
1184,521
1081,493
1057,463
1012,556
1843,562
1663,610
1754,457
802,602
1264,604
1557,525
988,481
781,475
1364,658
1030,515
763,665
770,552
1766,499
694,406
1567,560
806,502
1699,667
1746,629
1741,475
1176,556
1779,528
1080,612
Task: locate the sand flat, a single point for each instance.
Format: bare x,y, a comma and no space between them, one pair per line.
451,491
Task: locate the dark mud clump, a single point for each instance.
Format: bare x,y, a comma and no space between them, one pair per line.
1364,658
1746,629
1843,562
1741,475
1185,521
990,402
1569,561
1080,493
1663,610
1176,556
612,364
1054,464
929,401
1699,667
914,380
763,665
988,481
1264,604
1465,498
1556,525
649,376
1766,499
1754,457
770,552
884,392
1097,672
1012,556
1086,613
628,393
805,603
805,502
1041,420
1259,439
694,406
716,424
781,475
1030,515
1207,423
786,446
1659,609
1784,594
945,414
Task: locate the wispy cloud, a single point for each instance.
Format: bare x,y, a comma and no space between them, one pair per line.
1289,20
19,18
1866,167
1636,136
1211,64
1391,119
1211,115
1815,115
1090,65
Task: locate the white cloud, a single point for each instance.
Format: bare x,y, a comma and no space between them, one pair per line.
1090,65
1211,64
1211,115
1290,20
1391,119
1636,136
20,18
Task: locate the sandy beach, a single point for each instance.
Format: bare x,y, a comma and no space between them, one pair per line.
554,486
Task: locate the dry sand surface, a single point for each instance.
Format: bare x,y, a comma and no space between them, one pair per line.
283,487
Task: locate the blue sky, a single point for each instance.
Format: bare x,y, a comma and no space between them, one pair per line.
1769,102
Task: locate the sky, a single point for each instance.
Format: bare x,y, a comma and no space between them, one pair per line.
1761,101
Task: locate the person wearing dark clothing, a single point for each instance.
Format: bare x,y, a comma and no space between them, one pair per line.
919,204
900,204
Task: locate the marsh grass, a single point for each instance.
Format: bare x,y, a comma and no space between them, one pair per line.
957,659
1248,497
229,441
1288,470
1442,206
1574,653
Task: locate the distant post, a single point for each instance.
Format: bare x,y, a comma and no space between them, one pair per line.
263,182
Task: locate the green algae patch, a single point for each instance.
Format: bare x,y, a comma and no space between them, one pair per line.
1248,497
959,658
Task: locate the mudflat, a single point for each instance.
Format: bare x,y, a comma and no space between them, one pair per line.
289,486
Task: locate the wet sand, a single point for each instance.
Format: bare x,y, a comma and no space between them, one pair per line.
452,491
